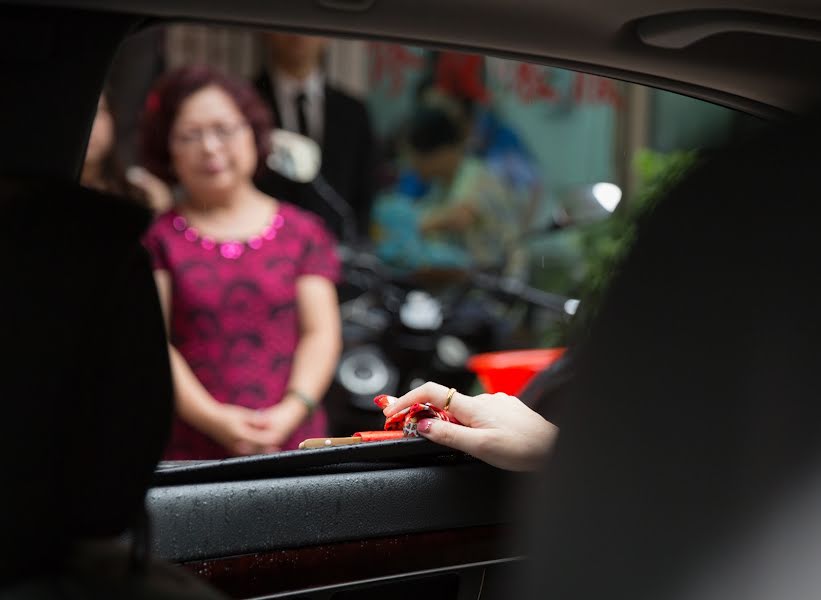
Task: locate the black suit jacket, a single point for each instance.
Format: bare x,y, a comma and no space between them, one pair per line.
347,160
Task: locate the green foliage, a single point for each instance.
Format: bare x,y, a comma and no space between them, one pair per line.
606,244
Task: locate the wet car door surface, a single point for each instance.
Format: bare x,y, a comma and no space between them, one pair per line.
367,518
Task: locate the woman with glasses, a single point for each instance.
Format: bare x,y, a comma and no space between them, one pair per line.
246,281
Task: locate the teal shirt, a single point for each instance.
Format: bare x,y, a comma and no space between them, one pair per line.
490,240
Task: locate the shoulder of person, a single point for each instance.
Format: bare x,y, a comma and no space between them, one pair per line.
163,224
472,175
303,221
345,100
261,79
261,82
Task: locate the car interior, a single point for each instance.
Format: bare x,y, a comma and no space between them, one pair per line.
688,458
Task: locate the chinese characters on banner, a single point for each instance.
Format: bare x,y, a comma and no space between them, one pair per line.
567,119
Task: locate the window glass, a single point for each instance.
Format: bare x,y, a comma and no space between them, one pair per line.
457,204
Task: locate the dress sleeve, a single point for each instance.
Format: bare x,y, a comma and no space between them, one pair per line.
319,255
154,243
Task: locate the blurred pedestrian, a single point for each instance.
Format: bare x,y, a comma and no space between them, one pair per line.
294,86
466,204
246,280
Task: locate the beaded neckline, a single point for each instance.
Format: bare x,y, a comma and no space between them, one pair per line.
231,249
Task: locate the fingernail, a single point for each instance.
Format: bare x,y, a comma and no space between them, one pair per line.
424,425
383,401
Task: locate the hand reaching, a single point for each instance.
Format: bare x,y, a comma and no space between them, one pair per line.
496,428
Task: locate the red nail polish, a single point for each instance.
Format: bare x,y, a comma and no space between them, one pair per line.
381,401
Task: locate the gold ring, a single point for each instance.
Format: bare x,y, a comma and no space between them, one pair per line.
451,392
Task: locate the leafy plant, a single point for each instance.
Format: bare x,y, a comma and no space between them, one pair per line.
606,244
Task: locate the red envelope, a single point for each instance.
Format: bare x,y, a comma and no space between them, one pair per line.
407,420
378,436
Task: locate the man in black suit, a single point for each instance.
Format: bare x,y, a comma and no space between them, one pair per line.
302,101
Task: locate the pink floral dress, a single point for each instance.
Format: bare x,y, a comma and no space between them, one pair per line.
234,314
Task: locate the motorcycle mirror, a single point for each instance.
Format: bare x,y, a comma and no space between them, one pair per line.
294,156
299,158
590,202
583,205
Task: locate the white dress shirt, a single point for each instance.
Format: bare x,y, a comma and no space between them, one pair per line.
286,89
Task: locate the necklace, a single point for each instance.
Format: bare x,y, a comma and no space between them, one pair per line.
230,249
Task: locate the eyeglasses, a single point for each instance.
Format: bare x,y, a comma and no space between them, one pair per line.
223,132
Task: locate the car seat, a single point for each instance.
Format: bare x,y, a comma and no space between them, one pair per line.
87,395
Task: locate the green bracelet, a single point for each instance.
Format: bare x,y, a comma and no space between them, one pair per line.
309,402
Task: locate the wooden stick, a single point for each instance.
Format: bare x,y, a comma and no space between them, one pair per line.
326,442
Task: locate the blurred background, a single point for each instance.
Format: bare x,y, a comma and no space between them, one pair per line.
573,159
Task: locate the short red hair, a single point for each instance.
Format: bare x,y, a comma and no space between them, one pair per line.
163,105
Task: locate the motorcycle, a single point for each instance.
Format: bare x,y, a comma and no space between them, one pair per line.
406,329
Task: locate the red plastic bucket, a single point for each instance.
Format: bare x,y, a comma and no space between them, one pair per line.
510,371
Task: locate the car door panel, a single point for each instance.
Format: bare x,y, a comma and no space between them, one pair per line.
252,533
364,564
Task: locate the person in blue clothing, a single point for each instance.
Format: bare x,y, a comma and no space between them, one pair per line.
461,78
466,206
456,82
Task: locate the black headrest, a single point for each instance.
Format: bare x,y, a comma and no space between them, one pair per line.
694,404
87,397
